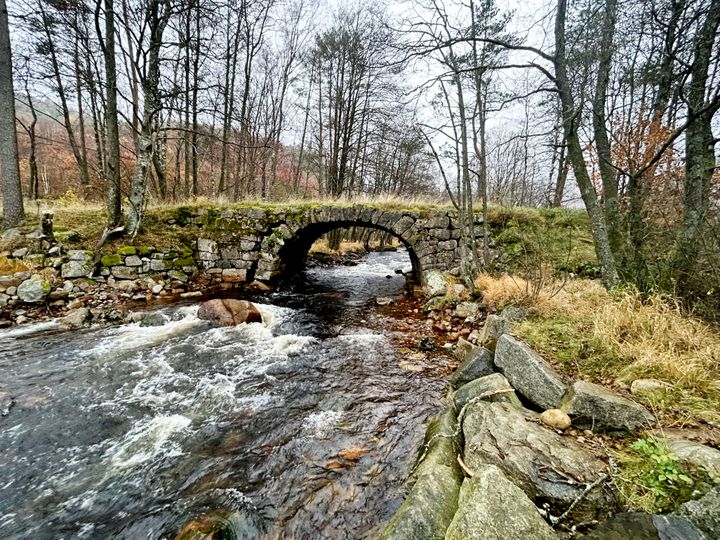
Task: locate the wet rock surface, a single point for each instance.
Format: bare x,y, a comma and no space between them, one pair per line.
229,312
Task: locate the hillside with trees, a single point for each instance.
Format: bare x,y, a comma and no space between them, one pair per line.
613,104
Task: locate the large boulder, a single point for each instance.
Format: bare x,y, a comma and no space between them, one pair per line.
493,387
548,467
477,362
598,408
529,373
705,512
229,312
639,526
491,506
432,502
34,290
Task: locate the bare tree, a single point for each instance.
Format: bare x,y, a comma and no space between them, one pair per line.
13,210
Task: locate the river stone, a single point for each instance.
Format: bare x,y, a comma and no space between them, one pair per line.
432,502
491,506
705,512
33,290
436,283
639,526
495,326
696,454
529,373
6,403
648,386
4,299
547,466
229,312
75,318
466,309
555,419
478,362
598,408
493,387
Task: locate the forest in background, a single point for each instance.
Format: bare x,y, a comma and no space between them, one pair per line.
133,100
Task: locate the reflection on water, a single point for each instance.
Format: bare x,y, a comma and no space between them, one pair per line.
302,427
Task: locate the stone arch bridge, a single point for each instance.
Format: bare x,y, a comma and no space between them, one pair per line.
269,243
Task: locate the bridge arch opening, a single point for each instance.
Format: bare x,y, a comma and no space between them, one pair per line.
293,254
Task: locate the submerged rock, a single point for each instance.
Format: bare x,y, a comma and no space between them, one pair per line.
219,526
639,526
229,312
548,467
598,408
491,506
6,403
530,374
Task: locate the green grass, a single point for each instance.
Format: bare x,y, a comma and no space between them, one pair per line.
651,479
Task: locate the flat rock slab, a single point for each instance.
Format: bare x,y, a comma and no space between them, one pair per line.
639,526
478,362
546,466
595,407
491,506
529,373
493,387
696,454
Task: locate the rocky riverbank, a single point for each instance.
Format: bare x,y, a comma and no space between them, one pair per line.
522,452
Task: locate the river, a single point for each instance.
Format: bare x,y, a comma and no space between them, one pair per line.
303,427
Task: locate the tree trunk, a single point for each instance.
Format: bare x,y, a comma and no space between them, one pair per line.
700,160
608,269
602,143
114,205
13,210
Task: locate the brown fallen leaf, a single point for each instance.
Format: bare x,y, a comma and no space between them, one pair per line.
353,453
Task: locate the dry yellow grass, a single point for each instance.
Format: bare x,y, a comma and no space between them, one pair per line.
599,336
10,266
